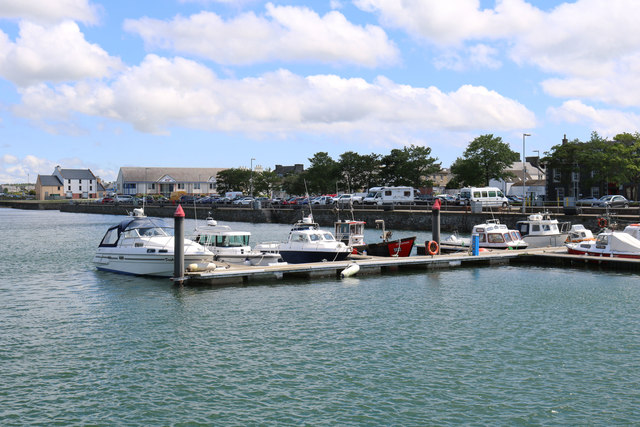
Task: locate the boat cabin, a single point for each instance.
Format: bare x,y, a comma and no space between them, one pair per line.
351,233
136,228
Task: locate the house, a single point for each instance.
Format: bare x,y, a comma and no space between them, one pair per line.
283,171
70,184
534,175
439,182
159,180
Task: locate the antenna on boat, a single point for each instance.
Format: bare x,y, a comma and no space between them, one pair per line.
308,199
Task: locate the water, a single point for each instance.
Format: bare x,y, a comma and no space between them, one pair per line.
501,345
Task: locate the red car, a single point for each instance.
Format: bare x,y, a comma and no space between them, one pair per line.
107,200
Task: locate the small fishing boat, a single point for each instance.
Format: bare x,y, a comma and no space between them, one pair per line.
351,233
145,246
578,233
231,246
307,243
616,244
491,235
540,230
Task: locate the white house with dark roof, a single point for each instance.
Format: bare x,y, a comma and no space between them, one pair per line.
154,180
68,183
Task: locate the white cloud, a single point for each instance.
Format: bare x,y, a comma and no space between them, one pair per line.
15,170
48,11
286,33
55,54
607,122
161,93
594,43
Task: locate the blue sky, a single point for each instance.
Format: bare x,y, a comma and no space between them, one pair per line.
215,83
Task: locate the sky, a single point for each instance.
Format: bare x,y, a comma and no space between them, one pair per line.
240,83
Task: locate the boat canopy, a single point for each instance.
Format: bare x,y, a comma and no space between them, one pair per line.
136,227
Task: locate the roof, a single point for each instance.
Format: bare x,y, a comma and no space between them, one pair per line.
142,174
49,180
77,174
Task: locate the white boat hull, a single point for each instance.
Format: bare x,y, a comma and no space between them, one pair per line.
541,241
142,263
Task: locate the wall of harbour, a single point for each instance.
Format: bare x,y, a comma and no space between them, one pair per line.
405,218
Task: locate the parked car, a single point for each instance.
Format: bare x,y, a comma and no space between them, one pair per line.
345,199
124,198
107,200
446,199
612,201
514,199
244,201
586,201
204,200
187,199
323,200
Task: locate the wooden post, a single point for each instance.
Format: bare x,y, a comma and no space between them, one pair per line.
178,248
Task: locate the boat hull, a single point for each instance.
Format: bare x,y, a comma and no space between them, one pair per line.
255,259
303,257
395,248
572,251
158,265
541,241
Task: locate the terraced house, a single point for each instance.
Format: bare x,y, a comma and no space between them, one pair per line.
69,184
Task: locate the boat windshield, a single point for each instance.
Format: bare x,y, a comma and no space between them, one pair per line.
328,236
507,237
223,241
515,235
495,238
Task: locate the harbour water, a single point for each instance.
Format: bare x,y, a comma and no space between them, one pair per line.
497,345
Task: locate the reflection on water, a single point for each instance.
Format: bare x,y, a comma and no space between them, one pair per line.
493,345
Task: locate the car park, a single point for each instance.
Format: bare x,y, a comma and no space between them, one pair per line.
612,201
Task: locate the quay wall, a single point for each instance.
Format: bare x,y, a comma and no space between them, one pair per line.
413,218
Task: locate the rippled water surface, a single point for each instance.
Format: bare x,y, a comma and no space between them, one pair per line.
502,345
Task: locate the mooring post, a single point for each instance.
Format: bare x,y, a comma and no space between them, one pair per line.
178,248
435,223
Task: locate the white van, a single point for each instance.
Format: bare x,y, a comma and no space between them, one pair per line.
488,196
390,196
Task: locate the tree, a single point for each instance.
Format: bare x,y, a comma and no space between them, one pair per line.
322,175
234,179
358,170
409,166
631,158
266,182
485,158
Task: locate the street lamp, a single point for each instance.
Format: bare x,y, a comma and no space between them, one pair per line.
524,174
251,179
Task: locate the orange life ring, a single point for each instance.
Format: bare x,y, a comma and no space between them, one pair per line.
602,222
432,247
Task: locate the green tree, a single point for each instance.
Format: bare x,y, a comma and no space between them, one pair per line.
358,171
631,158
485,158
322,175
266,182
409,166
233,179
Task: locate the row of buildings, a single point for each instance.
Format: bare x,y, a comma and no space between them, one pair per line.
530,178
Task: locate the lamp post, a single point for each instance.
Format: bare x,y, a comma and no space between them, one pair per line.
251,179
524,174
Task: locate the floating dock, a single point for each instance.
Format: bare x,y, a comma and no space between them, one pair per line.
227,274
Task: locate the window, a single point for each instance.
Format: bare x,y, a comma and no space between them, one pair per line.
196,186
91,188
560,193
180,186
492,194
575,176
556,175
90,181
69,188
69,181
153,185
595,192
80,188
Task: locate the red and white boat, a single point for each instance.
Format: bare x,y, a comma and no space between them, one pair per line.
617,244
351,233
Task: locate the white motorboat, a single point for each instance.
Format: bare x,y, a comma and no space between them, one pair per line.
231,246
307,243
491,235
578,233
145,246
617,244
540,230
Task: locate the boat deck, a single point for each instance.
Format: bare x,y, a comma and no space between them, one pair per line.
370,265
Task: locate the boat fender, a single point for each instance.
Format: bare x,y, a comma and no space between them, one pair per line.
602,222
350,271
202,266
432,247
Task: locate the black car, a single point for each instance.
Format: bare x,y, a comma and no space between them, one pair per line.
612,201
